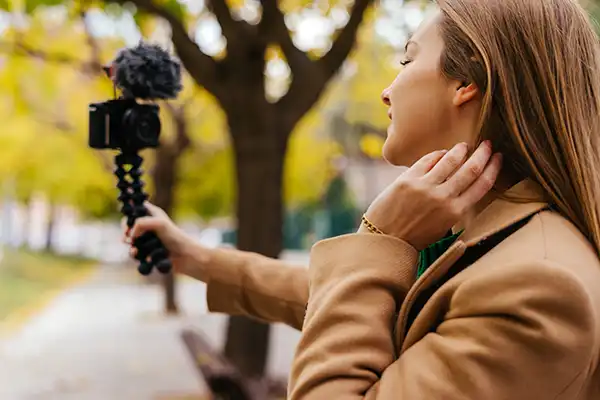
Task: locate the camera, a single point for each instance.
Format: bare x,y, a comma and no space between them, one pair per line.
124,124
147,73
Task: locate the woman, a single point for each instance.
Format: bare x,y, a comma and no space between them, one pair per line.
507,304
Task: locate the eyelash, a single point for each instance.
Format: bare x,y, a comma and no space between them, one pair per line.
405,62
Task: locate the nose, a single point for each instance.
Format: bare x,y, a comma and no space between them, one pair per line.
385,96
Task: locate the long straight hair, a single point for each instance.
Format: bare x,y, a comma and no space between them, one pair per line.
537,65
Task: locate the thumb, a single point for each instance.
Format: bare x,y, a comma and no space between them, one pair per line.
145,224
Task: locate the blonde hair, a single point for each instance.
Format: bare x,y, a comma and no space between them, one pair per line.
537,64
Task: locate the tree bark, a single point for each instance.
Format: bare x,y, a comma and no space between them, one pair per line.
259,156
164,176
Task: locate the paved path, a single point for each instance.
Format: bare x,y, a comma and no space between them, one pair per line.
108,340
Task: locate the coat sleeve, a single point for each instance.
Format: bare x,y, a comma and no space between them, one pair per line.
250,284
518,333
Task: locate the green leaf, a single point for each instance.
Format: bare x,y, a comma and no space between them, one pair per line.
32,5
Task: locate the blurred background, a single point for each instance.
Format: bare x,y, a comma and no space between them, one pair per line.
274,143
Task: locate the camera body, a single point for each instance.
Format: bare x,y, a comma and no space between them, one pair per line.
124,124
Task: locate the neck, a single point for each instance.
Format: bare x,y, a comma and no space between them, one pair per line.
503,183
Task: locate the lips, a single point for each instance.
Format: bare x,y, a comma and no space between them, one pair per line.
390,114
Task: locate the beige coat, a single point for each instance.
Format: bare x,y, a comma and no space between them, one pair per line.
521,323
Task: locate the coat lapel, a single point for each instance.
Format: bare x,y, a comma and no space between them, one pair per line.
519,202
431,275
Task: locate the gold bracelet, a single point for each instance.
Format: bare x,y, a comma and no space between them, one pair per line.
372,228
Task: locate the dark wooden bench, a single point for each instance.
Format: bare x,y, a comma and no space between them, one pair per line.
223,379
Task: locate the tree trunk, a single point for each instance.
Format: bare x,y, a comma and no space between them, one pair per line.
27,225
164,176
50,227
259,155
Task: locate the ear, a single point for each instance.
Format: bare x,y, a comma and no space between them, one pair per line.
465,92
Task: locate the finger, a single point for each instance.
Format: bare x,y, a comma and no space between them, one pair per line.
125,229
448,164
469,171
152,209
425,163
144,224
133,252
482,185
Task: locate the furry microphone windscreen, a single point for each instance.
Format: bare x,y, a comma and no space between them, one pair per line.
146,71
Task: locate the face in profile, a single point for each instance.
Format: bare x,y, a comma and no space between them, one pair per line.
428,111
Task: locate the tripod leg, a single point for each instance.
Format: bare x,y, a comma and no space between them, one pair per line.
151,251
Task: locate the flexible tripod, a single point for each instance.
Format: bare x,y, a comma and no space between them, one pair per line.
150,250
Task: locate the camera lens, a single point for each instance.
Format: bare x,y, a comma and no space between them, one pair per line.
148,127
143,126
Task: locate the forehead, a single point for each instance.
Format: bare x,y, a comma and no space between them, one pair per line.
428,29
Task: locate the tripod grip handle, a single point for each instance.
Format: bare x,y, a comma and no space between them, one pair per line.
151,252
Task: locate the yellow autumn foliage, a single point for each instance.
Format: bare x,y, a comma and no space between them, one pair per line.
43,106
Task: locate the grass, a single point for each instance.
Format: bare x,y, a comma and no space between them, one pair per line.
26,278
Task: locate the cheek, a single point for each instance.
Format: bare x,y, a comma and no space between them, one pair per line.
420,113
420,99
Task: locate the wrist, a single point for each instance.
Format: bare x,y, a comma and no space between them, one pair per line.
200,258
363,229
367,226
373,225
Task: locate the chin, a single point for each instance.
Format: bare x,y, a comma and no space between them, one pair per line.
394,156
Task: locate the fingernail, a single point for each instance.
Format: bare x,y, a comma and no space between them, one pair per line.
487,143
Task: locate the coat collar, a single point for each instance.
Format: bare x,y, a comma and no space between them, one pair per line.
520,201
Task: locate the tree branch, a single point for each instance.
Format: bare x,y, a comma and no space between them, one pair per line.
272,25
60,125
21,49
92,67
304,92
229,26
51,118
201,67
331,62
96,60
182,139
